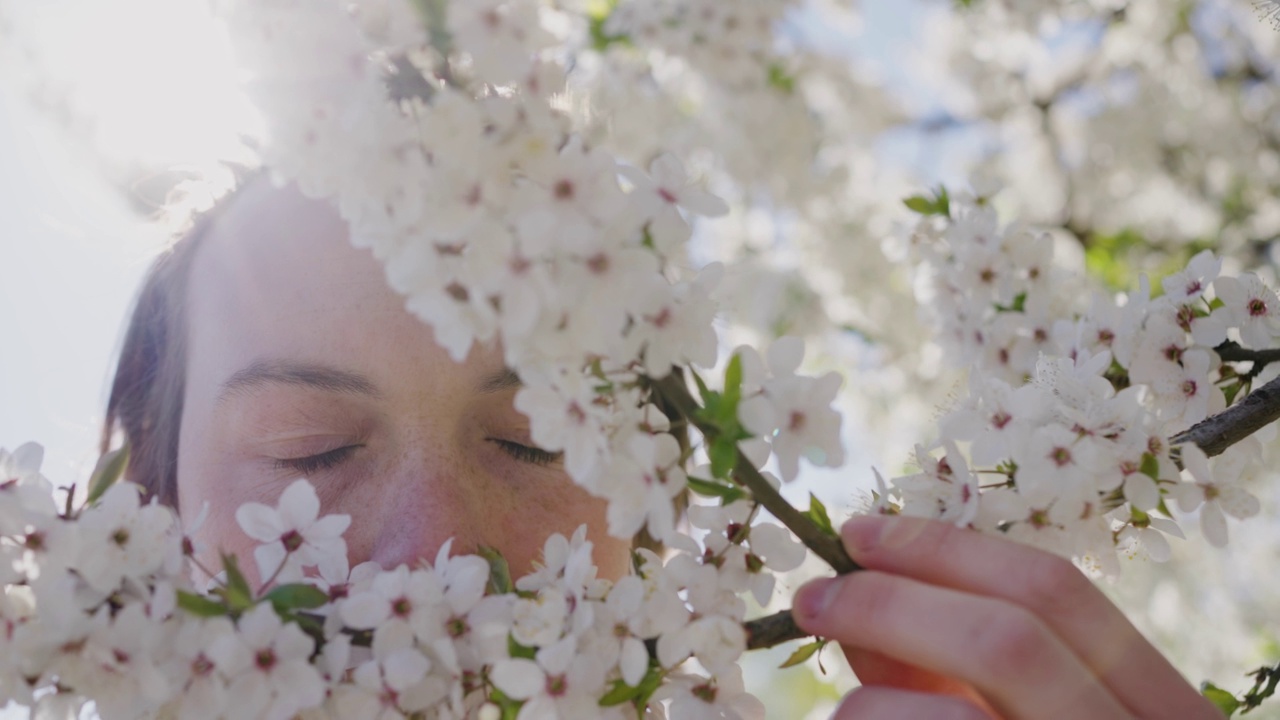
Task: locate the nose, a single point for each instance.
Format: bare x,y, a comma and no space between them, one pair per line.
427,499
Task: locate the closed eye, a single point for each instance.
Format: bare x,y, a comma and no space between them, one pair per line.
320,462
524,453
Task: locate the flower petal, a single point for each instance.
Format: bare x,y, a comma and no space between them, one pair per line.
634,661
1213,524
259,522
518,678
299,505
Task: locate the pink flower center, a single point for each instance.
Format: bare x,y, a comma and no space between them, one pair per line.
1060,456
556,685
705,692
401,607
201,665
1185,317
598,263
1257,307
265,659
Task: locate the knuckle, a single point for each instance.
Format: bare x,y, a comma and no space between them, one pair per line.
920,536
1052,584
1011,644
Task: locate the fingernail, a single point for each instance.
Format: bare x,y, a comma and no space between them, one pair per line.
864,533
812,599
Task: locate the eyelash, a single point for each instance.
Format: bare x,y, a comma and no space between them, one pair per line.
524,453
328,460
312,464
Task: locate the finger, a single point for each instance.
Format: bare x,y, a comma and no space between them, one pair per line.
873,668
883,703
1004,651
878,669
1047,585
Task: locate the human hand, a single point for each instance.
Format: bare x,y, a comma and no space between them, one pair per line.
950,623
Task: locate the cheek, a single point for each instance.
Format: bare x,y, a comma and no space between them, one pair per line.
526,529
219,534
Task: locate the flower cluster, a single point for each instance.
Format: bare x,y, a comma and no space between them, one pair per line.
99,605
447,136
1071,406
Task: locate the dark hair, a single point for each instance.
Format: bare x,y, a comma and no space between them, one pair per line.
145,405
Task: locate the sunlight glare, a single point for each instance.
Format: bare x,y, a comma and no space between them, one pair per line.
151,80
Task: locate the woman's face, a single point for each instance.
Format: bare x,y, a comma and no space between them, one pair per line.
302,362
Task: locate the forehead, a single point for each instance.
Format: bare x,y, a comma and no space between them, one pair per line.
276,278
276,258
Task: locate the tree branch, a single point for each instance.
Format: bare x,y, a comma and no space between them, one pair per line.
1215,434
673,390
780,627
1232,352
770,630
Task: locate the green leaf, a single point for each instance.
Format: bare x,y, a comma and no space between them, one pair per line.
1019,304
782,80
724,456
919,204
199,605
618,694
108,470
598,13
1150,466
499,572
1231,390
296,596
733,383
649,685
802,653
1225,701
818,514
237,592
516,650
712,489
939,204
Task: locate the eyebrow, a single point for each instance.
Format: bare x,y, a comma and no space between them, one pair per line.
504,379
285,372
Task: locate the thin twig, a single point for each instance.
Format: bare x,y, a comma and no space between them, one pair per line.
673,390
1232,352
770,630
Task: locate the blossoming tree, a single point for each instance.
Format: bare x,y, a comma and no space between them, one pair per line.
481,151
